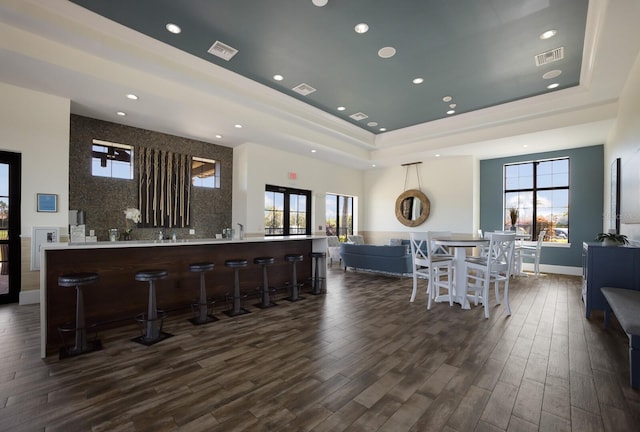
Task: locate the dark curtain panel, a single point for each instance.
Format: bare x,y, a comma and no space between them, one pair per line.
164,182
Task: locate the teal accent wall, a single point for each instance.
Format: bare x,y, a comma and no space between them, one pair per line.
586,200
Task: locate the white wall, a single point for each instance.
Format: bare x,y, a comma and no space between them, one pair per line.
255,166
625,140
447,182
37,126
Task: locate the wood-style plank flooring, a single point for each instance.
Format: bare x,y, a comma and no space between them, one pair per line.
361,358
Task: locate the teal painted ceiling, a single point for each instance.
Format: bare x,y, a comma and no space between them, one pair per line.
481,53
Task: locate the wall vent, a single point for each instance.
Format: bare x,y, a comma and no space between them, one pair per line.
549,56
303,89
359,116
222,50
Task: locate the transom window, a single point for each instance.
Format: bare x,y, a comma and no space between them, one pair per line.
536,198
205,173
286,211
110,159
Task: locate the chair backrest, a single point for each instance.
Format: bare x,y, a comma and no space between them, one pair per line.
333,241
500,253
435,249
356,239
540,239
419,249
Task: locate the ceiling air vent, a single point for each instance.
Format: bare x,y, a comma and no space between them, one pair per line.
222,50
303,89
359,116
549,56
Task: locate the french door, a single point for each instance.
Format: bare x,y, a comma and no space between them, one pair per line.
10,165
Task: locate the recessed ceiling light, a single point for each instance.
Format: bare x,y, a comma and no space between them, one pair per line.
372,124
313,151
121,113
387,52
383,129
525,145
238,126
452,106
437,155
418,80
552,86
552,74
447,99
173,28
219,136
132,96
319,3
341,108
451,112
548,34
362,28
278,77
373,165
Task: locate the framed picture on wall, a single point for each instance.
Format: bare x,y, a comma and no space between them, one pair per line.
47,202
615,196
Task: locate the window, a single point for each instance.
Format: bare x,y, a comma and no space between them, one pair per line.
205,173
339,216
111,160
538,191
286,211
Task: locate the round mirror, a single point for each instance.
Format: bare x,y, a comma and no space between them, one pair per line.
412,208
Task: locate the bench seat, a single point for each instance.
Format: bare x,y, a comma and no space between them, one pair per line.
625,304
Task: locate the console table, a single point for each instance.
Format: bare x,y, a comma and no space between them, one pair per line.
613,266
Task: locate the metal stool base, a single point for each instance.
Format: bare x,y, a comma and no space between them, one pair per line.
291,299
231,312
267,306
95,345
196,320
148,342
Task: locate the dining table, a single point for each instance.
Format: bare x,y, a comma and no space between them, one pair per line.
460,243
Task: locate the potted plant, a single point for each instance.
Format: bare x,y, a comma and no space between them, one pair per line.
612,239
513,214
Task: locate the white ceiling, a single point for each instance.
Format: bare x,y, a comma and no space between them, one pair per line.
56,47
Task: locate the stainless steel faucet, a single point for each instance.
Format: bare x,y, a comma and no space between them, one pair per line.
241,233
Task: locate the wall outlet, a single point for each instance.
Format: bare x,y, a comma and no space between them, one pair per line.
192,231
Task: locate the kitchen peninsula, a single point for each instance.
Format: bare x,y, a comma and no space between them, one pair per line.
117,297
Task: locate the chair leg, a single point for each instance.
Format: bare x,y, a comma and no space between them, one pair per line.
415,288
506,297
485,300
430,293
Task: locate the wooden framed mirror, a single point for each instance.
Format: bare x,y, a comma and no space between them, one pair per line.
412,208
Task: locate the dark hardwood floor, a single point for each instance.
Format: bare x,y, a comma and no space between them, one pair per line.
361,358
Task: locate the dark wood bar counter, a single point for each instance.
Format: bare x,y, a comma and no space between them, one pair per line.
117,297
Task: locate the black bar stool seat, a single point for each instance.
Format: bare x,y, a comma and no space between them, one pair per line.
294,290
318,282
82,346
266,300
236,265
203,316
152,322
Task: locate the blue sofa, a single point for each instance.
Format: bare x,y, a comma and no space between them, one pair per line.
389,259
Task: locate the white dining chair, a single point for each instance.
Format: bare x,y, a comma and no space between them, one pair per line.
494,268
433,263
530,252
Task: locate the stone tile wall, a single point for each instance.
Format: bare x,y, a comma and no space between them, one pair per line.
105,199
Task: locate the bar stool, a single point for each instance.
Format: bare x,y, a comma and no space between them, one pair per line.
317,282
82,346
202,316
264,262
236,265
152,323
294,290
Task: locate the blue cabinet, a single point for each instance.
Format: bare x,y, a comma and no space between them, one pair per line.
614,266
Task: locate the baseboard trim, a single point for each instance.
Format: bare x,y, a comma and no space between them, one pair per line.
555,269
30,297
